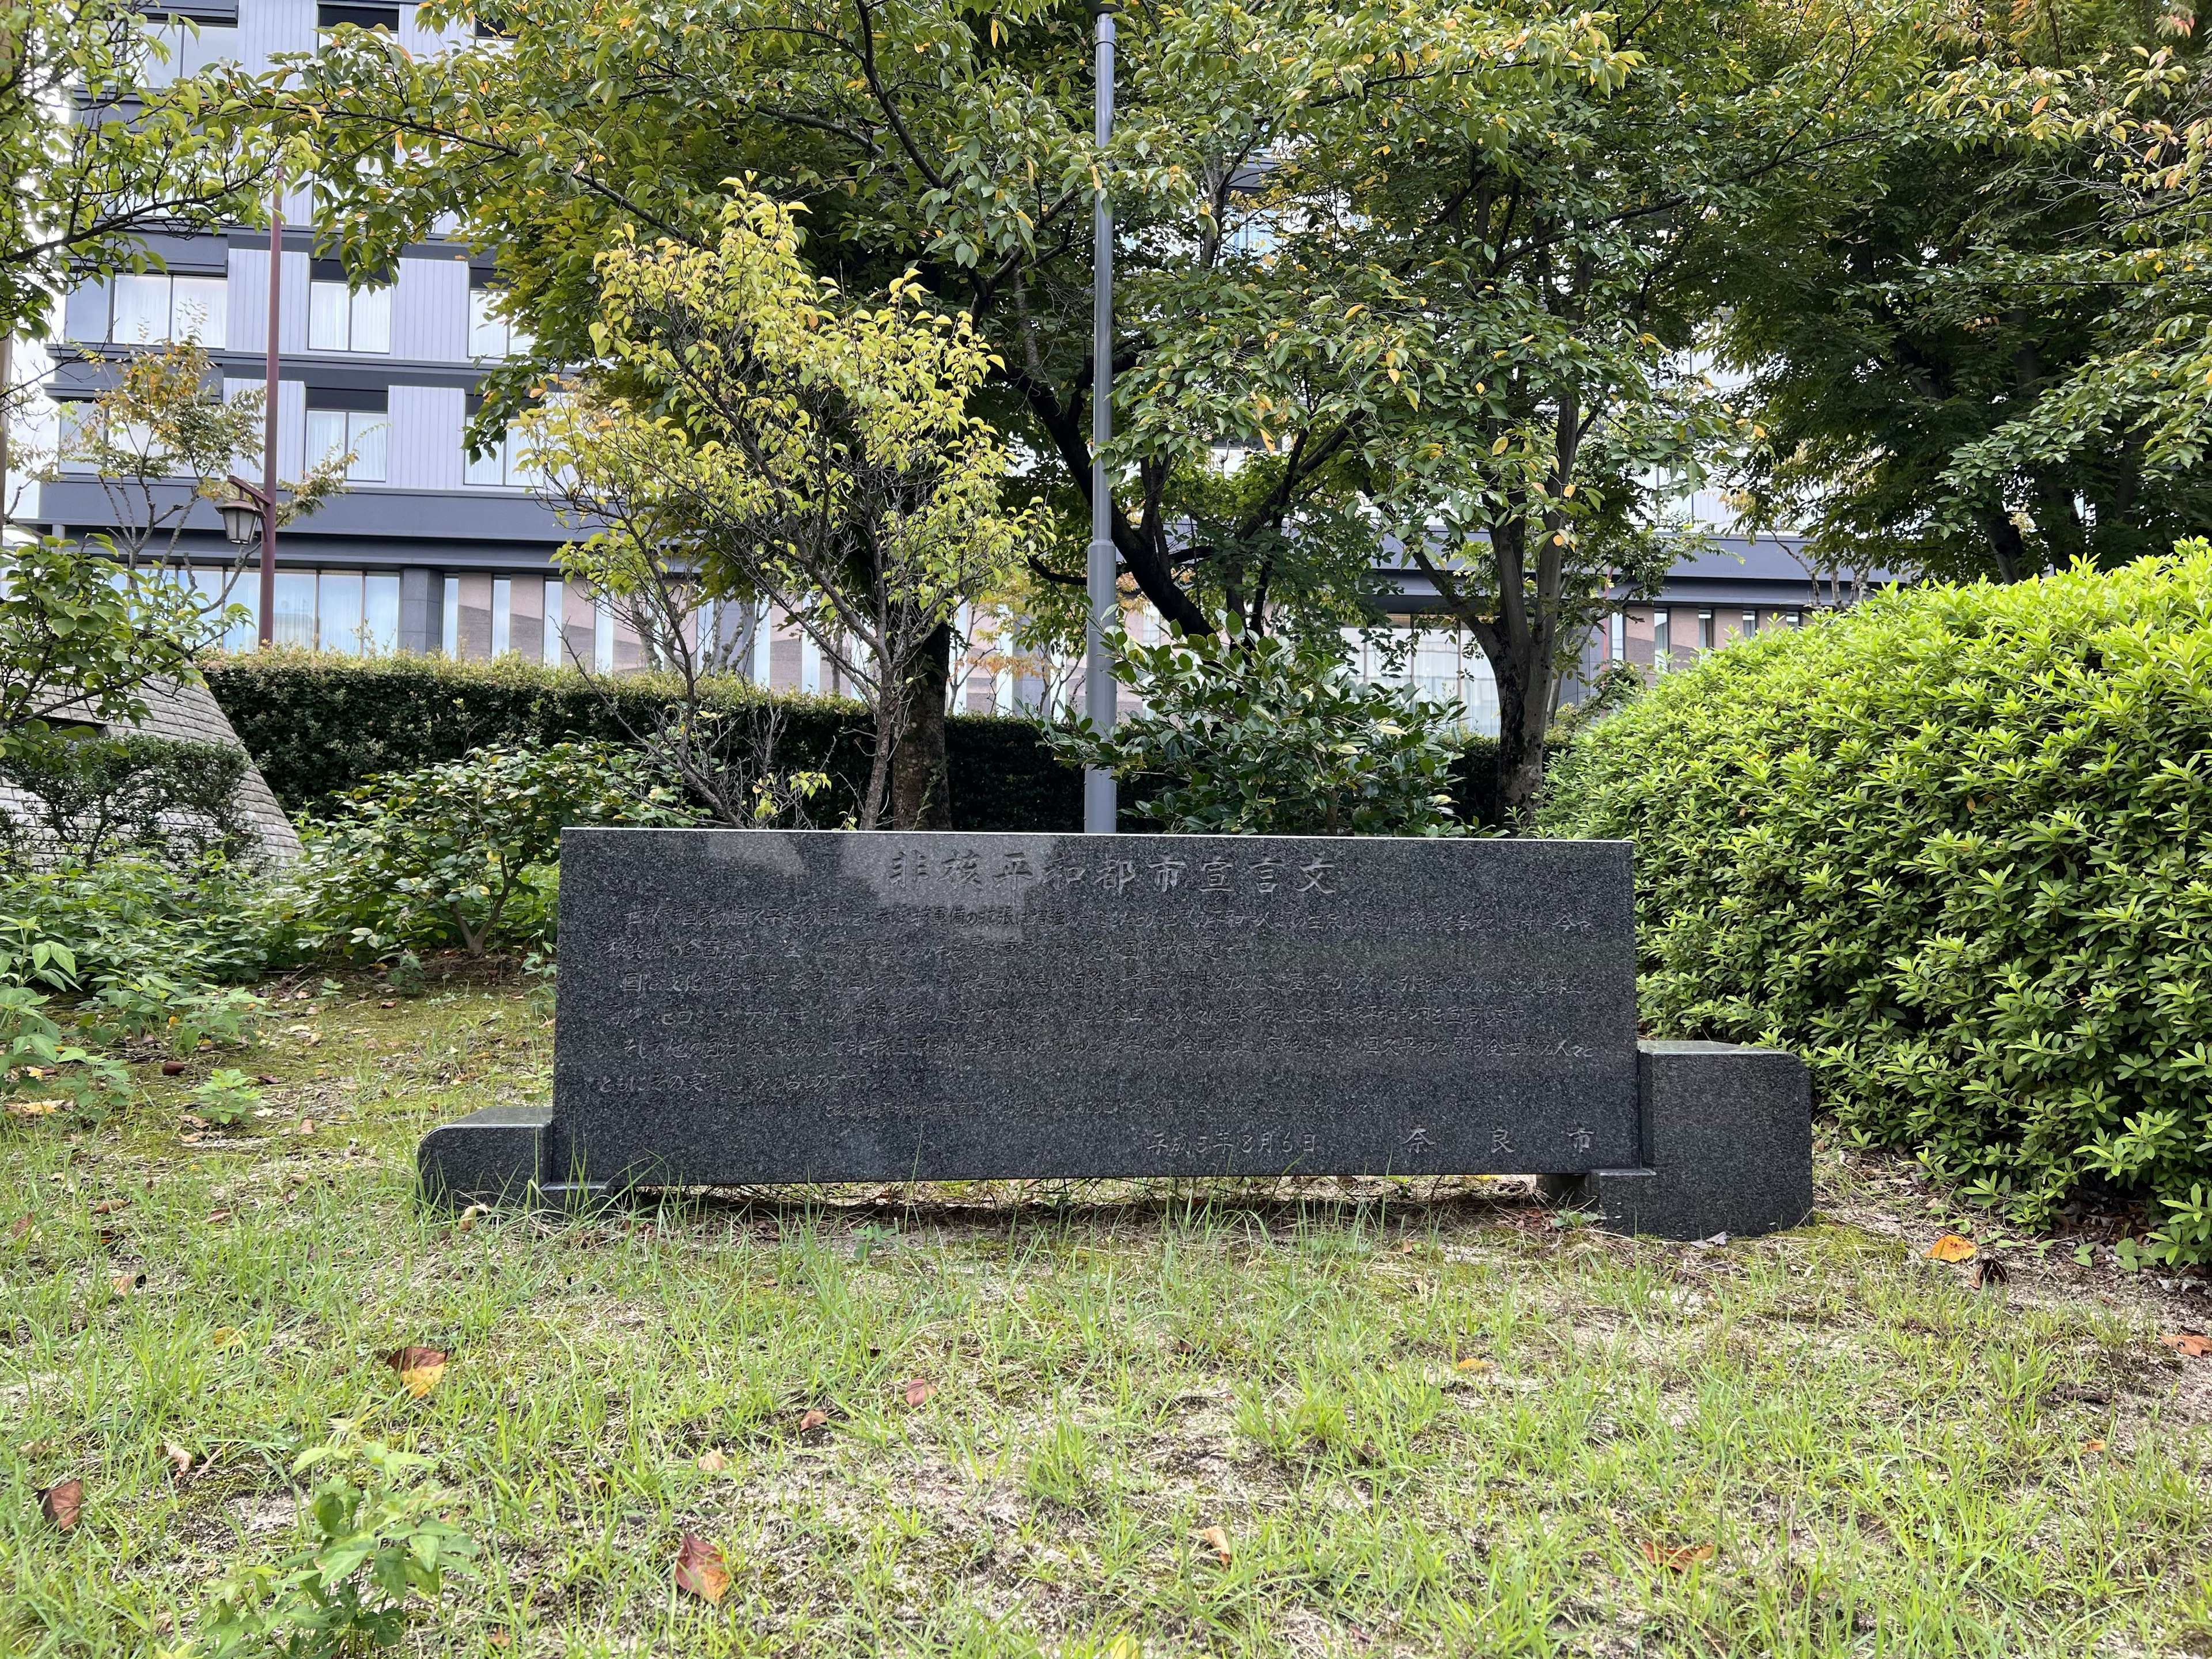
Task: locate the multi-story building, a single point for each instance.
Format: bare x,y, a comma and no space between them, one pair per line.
429,550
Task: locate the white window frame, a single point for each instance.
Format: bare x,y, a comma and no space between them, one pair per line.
353,320
363,433
199,305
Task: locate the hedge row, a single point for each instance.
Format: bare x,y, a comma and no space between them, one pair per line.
1952,847
317,724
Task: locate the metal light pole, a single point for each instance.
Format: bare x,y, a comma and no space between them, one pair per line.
268,630
1098,791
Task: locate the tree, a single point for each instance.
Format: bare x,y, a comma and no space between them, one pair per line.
1429,266
102,141
1936,351
794,448
160,438
81,637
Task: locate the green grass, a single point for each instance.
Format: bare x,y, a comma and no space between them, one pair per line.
1883,1460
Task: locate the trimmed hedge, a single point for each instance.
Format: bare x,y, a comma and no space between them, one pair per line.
1952,846
317,724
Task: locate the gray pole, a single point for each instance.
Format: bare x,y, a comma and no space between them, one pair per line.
1098,792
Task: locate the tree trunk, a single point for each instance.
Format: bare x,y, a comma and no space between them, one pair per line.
2006,545
921,782
1524,701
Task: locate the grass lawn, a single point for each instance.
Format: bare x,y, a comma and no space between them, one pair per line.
1423,1421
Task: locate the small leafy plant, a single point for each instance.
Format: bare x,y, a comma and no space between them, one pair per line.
226,1097
375,1543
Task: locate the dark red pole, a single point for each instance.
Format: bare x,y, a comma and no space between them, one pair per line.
269,421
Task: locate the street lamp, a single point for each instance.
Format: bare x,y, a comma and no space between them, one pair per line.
243,514
1098,792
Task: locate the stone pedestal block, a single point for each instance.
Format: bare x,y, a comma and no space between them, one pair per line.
492,1156
1728,1145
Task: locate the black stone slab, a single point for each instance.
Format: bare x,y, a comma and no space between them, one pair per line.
747,1007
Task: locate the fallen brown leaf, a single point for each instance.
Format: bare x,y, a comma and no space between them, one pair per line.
920,1391
1678,1557
2093,1445
265,1080
815,1419
1217,1540
33,1108
1952,1247
419,1368
18,1227
389,1002
126,1283
701,1570
473,1214
173,1068
2189,1343
1989,1273
712,1460
180,1459
62,1503
110,1205
215,1216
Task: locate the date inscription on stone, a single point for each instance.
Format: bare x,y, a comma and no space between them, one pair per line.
741,1007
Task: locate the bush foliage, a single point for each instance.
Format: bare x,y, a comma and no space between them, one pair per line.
87,799
464,852
320,724
1270,736
1952,846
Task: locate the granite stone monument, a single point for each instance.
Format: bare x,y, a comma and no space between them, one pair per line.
753,1007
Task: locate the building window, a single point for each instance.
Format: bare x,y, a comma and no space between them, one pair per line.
1619,636
504,466
1661,640
491,336
295,621
342,319
1750,623
503,615
359,433
329,17
1704,630
449,634
157,310
556,625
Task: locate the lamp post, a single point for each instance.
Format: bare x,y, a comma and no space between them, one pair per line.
267,494
1098,791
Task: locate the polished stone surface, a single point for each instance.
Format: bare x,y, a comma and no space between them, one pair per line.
741,1007
1728,1145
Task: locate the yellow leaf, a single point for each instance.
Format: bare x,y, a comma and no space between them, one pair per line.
1217,1540
419,1368
1952,1247
1471,1363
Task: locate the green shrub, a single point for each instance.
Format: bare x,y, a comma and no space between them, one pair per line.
320,724
91,798
1274,736
464,851
1952,846
135,919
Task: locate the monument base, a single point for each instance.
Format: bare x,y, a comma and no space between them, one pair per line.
1728,1146
496,1156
